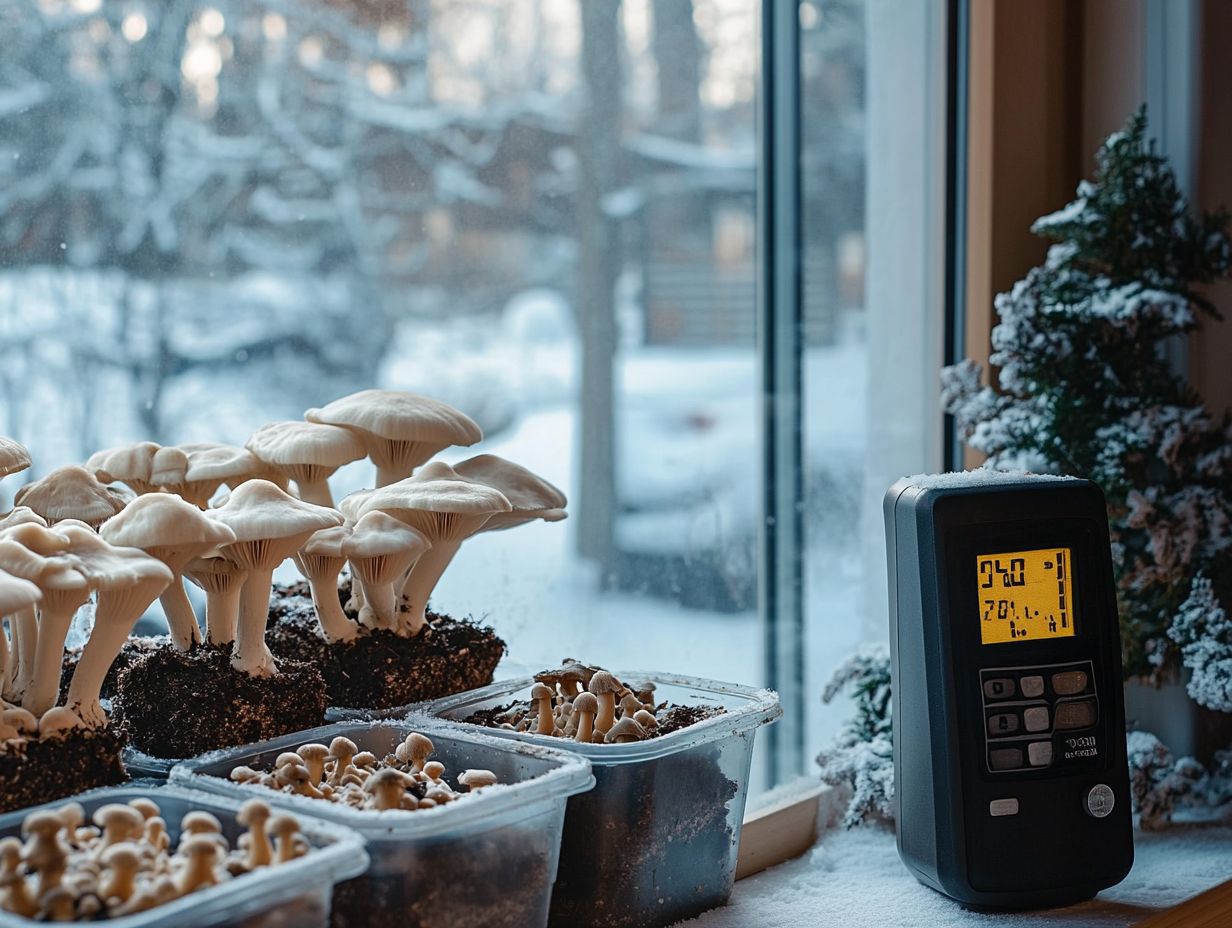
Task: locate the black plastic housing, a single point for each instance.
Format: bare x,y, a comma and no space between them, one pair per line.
1052,852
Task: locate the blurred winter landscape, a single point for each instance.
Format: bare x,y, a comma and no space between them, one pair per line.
218,214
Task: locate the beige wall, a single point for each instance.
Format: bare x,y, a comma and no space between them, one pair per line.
1048,81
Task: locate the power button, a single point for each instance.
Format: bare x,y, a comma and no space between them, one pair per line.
1100,800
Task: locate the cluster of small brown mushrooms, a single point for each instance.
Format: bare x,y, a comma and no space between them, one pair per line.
342,773
122,862
585,704
74,535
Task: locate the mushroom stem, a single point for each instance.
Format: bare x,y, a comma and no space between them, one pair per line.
181,619
380,605
54,621
8,658
334,622
250,654
422,581
388,473
222,608
97,656
25,639
315,491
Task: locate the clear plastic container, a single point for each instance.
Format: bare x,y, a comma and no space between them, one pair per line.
485,860
140,764
296,893
655,841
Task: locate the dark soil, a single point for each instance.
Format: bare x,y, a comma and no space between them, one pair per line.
182,703
133,652
47,769
379,669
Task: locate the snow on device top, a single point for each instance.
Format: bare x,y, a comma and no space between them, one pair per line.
1009,729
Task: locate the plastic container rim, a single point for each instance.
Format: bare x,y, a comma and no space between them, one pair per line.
571,775
344,854
763,707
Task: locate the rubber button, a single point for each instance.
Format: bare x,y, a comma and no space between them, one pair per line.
1071,715
1032,687
1003,723
1036,718
1100,801
1000,688
1069,682
1000,807
1005,758
1039,753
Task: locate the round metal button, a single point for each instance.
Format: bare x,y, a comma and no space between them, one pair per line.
1100,800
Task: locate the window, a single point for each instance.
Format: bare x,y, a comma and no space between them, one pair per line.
215,214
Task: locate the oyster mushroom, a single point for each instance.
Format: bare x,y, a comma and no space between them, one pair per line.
130,465
269,527
14,457
307,453
195,471
320,560
127,581
530,495
446,508
173,531
64,590
70,493
16,596
381,549
221,580
399,430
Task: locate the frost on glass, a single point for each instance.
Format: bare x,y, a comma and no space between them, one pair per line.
214,215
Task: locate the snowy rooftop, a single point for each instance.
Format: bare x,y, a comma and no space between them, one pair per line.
854,879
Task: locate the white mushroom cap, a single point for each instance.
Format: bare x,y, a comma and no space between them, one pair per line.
13,457
21,515
258,513
353,503
399,430
531,496
16,594
69,493
381,548
130,464
327,543
37,537
439,503
195,471
306,452
109,568
168,528
168,467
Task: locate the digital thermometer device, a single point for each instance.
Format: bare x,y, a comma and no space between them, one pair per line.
1011,785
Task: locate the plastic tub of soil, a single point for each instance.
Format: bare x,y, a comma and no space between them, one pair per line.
655,841
295,892
487,859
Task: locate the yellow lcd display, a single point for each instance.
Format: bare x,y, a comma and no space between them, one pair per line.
1026,595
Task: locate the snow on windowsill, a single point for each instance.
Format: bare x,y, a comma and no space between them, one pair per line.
854,879
980,477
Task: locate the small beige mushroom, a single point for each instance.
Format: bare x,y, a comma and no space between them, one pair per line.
477,779
296,778
119,823
43,853
542,695
386,787
605,687
585,708
446,508
201,852
58,904
398,430
253,815
321,560
314,756
645,719
200,822
284,829
624,732
173,531
342,751
58,722
381,549
221,580
155,834
415,751
244,774
123,862
69,493
130,465
147,807
269,527
307,453
17,897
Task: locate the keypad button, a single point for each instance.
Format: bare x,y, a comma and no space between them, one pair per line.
1000,807
1003,723
1036,718
1039,753
1032,687
1005,758
1077,714
1000,688
1069,682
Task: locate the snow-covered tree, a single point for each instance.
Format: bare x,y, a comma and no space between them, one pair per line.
861,756
1159,785
1083,387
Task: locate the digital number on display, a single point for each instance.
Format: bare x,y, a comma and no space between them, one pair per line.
1026,595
